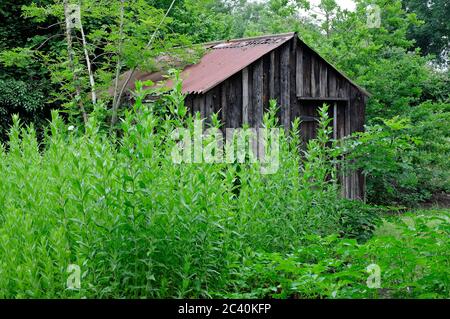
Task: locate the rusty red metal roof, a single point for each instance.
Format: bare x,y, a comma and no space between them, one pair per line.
224,59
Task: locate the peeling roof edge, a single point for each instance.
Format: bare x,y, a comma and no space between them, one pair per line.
279,35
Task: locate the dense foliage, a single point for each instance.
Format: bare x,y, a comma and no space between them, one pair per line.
139,225
411,251
93,183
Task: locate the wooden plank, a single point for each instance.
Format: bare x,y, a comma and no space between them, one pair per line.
266,73
251,107
335,121
309,98
224,92
234,116
257,93
308,118
341,112
217,102
272,76
307,72
237,107
201,100
209,106
347,119
332,84
299,71
189,103
313,76
245,96
343,87
354,110
232,103
285,89
274,87
199,103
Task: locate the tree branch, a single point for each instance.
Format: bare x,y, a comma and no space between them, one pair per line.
133,70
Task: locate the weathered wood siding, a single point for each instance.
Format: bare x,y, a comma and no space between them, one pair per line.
301,81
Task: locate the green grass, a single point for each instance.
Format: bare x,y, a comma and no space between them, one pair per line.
412,251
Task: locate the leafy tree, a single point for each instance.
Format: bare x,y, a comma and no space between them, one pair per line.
114,36
24,85
432,35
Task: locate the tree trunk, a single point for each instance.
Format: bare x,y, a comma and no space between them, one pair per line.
116,99
72,65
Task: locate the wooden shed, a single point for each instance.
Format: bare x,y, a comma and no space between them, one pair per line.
237,78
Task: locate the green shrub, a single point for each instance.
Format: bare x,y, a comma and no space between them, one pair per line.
413,262
405,159
357,220
139,225
23,98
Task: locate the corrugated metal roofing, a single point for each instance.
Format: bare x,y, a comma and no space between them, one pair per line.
224,59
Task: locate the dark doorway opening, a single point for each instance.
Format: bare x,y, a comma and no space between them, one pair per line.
308,111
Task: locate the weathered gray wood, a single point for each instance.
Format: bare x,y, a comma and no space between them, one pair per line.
233,114
272,76
188,102
236,100
332,84
266,71
341,122
307,72
201,100
323,79
306,98
300,81
314,76
257,93
234,96
223,97
285,86
209,106
245,96
299,71
217,101
199,105
335,121
343,87
231,100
